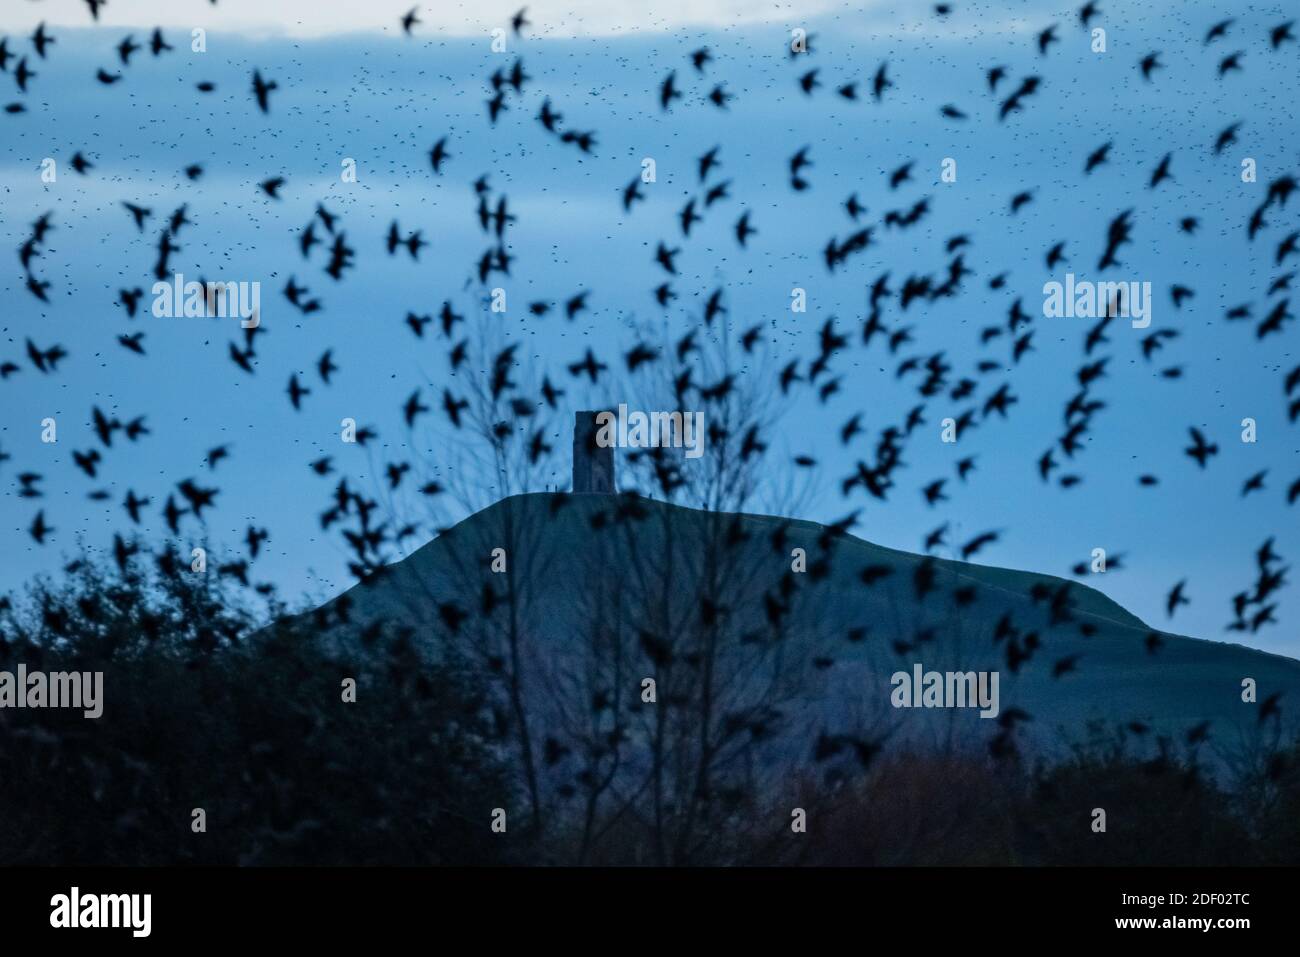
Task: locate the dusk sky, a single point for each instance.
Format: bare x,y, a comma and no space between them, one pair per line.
350,85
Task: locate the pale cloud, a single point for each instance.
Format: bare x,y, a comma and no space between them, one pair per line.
550,18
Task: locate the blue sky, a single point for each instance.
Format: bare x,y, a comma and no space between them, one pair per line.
383,100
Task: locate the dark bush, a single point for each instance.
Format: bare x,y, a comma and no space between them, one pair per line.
201,711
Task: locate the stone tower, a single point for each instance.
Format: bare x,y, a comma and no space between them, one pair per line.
593,465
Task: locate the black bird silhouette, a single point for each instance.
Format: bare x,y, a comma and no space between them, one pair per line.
22,74
1028,87
453,407
1046,38
437,156
1176,598
589,365
132,504
41,40
198,498
1064,665
216,455
87,461
133,342
127,47
1161,172
496,106
130,299
413,408
548,117
296,391
1226,138
325,366
254,539
743,229
1254,484
262,91
38,529
977,543
668,91
157,44
632,193
1219,30
138,213
880,82
1200,450
1231,62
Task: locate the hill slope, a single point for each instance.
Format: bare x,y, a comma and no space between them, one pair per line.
603,592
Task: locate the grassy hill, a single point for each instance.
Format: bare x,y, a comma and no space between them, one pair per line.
645,571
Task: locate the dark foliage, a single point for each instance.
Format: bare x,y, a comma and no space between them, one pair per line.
200,712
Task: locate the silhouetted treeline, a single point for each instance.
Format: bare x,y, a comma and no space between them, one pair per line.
256,734
955,810
204,710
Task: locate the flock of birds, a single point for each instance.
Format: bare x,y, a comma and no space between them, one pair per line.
978,388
